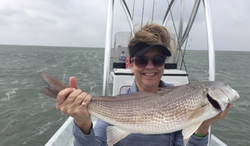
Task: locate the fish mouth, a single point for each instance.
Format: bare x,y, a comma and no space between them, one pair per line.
236,95
214,103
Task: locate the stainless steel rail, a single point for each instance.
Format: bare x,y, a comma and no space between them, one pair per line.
106,66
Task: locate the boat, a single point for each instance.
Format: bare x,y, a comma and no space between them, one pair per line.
120,77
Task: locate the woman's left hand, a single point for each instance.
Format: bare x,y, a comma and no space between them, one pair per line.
204,127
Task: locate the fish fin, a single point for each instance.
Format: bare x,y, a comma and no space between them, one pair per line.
192,115
188,131
125,97
114,135
53,85
47,92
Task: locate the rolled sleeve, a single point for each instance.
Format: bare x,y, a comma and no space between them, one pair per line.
82,139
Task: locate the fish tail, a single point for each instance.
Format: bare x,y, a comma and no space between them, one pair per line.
53,85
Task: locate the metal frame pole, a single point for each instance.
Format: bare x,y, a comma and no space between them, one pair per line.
108,42
211,51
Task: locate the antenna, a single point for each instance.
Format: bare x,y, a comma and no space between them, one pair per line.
133,11
153,10
142,13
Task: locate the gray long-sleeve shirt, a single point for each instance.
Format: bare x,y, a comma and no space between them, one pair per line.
98,136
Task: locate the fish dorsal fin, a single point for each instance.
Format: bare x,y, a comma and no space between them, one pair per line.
192,115
164,90
125,97
188,131
114,135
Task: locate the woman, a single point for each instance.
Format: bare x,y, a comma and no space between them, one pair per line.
148,51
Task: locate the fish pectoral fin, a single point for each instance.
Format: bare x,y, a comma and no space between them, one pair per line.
114,135
187,132
192,115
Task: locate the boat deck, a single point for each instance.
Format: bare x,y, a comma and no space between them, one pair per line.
64,136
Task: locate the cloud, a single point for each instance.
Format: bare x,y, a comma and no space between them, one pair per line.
83,23
231,24
51,23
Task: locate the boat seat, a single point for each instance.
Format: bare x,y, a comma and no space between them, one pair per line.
124,88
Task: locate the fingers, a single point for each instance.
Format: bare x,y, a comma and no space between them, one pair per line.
79,107
82,99
86,100
66,97
223,114
229,106
62,95
72,82
219,117
71,102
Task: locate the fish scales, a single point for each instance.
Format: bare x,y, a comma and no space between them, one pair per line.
156,113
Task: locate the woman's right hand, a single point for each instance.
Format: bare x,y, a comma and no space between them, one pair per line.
74,102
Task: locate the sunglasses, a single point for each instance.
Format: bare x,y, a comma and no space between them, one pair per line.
142,61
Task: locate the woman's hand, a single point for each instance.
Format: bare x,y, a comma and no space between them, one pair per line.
74,102
204,127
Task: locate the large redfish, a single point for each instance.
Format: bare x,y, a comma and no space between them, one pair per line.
172,109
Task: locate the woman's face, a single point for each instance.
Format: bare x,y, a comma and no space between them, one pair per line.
149,76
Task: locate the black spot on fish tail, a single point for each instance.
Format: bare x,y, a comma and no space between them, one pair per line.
213,102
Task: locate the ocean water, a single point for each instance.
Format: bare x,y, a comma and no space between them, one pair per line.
29,118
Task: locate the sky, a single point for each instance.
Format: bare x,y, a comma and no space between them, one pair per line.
82,23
